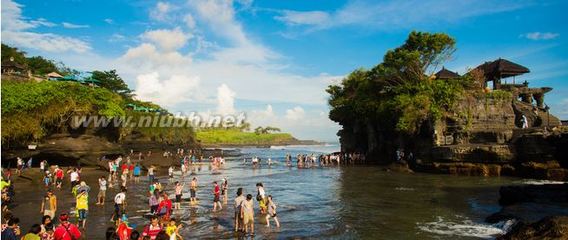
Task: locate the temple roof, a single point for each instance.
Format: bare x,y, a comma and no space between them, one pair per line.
446,74
501,68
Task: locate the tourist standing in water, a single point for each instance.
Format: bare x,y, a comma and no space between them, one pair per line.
224,190
82,206
151,230
136,173
216,197
119,204
178,192
66,230
151,174
260,197
247,214
171,174
153,202
271,212
49,204
238,208
193,190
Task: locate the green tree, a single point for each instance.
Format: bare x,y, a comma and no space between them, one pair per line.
42,66
12,52
112,81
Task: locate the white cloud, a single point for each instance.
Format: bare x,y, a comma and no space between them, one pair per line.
220,15
225,100
296,113
394,14
167,39
540,35
189,21
161,11
109,20
72,26
16,30
116,38
166,92
304,18
45,41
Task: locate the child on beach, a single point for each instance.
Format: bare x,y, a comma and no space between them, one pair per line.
271,212
82,206
173,230
216,198
247,214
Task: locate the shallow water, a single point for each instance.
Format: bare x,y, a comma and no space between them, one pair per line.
347,202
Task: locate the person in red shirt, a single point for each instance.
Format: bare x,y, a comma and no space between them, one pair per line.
153,229
58,176
216,198
165,207
124,231
66,230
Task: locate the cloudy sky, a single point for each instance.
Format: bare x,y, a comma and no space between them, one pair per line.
274,59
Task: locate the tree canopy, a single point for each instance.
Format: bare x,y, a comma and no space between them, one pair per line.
397,95
113,82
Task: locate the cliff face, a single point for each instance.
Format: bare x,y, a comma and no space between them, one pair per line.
484,137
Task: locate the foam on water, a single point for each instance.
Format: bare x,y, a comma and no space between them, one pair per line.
540,182
466,228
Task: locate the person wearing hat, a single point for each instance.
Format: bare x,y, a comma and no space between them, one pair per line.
66,230
82,206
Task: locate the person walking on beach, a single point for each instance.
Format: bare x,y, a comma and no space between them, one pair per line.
193,190
119,204
102,191
153,202
58,177
178,192
136,173
171,174
66,230
49,204
216,198
82,206
151,174
247,214
271,212
238,208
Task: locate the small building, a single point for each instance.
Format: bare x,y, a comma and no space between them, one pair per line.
53,76
446,74
12,67
500,69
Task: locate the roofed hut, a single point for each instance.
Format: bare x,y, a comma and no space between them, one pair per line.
499,69
446,74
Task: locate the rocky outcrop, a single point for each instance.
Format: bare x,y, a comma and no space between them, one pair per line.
554,227
548,193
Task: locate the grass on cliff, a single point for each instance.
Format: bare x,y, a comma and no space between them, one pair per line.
238,137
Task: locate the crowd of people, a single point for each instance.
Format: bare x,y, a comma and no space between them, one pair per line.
122,173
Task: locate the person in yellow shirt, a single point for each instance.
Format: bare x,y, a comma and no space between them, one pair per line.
173,230
82,206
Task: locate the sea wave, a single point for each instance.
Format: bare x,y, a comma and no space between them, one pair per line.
540,182
466,228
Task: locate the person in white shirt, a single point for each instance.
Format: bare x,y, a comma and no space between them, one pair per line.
102,191
74,177
119,204
238,209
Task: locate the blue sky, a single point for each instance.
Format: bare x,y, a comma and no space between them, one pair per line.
273,59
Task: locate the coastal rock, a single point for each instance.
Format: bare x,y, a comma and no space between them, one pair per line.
554,227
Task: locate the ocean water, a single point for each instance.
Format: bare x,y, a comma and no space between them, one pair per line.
345,202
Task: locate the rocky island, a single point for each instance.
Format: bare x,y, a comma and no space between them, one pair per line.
468,125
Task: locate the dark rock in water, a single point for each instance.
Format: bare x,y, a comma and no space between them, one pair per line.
528,212
555,227
533,193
